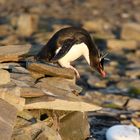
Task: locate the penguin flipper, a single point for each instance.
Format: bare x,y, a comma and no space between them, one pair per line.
64,49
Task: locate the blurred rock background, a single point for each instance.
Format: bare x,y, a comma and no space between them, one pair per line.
115,26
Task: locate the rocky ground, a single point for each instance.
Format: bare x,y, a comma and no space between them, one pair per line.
115,26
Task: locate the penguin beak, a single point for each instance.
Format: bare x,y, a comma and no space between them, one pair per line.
101,71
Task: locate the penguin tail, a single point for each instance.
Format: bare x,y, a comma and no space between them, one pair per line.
53,60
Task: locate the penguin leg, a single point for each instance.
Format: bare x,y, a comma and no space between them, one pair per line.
77,73
67,65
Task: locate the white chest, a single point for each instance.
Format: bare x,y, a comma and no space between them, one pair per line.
75,52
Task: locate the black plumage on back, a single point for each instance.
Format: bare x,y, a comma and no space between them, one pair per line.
66,38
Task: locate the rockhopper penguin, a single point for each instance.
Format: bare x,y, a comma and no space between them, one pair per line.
68,44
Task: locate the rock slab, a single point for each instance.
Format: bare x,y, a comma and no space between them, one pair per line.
131,31
4,77
7,119
74,126
133,104
23,21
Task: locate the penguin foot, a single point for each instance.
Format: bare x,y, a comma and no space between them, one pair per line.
76,72
67,65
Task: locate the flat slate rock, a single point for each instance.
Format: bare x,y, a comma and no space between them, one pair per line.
48,102
12,96
4,77
49,134
60,83
133,104
117,45
51,70
131,31
8,65
16,52
74,126
27,92
54,91
7,120
20,70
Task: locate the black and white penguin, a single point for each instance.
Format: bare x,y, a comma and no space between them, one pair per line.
68,44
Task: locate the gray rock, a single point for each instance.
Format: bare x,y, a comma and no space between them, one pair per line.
138,53
62,83
135,73
107,100
20,83
49,134
134,65
74,126
8,65
21,70
22,137
133,104
131,31
104,35
51,70
11,39
23,21
115,44
94,81
2,1
22,77
132,57
98,25
129,83
123,85
5,30
4,77
7,119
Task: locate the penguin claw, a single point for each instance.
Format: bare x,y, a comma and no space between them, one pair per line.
71,67
77,75
76,72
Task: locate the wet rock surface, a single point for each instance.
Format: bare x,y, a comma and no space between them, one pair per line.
115,26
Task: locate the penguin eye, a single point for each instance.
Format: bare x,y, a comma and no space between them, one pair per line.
102,63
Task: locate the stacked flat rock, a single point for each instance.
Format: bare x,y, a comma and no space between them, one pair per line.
42,95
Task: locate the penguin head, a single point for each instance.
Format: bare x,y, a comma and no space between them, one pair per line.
98,63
